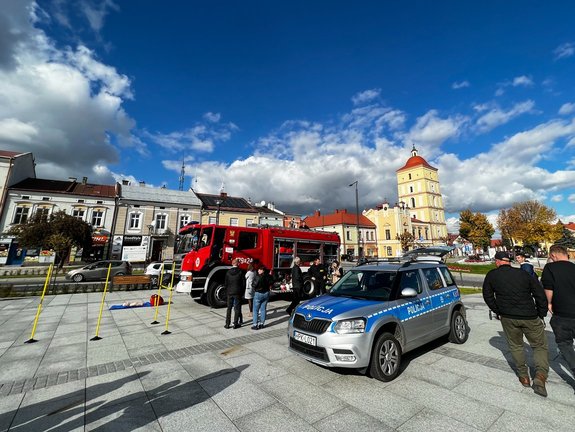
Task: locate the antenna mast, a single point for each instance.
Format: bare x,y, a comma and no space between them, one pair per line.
182,174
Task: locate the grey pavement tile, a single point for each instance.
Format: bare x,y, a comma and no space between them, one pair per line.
187,407
273,418
428,373
350,419
432,421
427,358
18,369
259,369
114,388
8,408
25,351
181,341
48,367
233,351
235,395
63,413
145,350
153,376
310,402
510,422
310,371
69,351
464,409
526,403
204,364
12,336
374,399
106,353
133,415
270,349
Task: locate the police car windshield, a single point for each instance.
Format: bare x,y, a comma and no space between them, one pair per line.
365,284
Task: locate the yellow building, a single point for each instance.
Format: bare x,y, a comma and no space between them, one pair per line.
418,212
418,187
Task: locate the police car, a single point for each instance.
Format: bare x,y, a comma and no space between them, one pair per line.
379,311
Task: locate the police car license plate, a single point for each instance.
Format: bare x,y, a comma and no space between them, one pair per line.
310,340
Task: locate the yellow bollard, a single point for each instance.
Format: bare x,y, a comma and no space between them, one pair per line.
48,275
171,288
95,338
159,293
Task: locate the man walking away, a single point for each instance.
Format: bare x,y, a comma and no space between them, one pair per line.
558,279
296,284
524,264
521,303
234,283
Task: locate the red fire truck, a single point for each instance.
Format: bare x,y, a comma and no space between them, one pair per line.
211,248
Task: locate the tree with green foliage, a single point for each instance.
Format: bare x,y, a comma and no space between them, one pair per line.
476,228
567,239
58,232
406,240
529,223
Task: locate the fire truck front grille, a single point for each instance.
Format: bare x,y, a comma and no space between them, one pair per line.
317,326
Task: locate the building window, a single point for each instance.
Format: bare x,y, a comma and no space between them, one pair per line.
389,252
234,222
45,198
410,189
78,213
409,175
21,215
387,234
135,221
212,220
348,235
161,221
184,220
412,202
97,216
43,213
80,200
249,222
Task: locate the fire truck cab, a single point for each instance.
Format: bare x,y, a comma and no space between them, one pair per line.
213,247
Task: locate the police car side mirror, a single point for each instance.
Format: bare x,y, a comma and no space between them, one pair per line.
408,292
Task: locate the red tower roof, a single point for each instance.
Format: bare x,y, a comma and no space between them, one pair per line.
415,161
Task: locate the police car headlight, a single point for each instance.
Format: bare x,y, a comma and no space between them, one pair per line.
350,326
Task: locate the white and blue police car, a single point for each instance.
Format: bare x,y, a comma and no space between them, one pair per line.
378,311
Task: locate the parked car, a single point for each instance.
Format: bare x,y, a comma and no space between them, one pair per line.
99,270
379,311
154,270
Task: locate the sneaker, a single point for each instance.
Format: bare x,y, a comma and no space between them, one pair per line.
261,326
227,326
254,327
539,385
237,326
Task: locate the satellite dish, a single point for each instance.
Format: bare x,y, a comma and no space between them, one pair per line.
263,204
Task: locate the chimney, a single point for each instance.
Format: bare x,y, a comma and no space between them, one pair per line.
125,182
84,180
317,213
142,183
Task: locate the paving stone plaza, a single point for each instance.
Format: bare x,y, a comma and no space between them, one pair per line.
206,378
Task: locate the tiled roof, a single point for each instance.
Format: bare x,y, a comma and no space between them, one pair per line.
10,154
415,161
340,217
158,195
66,187
570,226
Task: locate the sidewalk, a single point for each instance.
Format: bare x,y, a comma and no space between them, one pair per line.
204,377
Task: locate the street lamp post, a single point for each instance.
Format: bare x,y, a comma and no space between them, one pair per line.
357,217
218,203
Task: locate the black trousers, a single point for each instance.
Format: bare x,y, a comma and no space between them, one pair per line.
295,299
235,302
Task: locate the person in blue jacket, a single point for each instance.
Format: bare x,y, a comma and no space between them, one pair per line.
524,264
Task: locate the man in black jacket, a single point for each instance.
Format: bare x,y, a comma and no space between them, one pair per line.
318,276
558,280
234,283
519,300
296,284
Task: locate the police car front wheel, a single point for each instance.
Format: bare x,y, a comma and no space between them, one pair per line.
385,358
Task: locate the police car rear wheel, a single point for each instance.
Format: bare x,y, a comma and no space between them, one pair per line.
458,333
385,358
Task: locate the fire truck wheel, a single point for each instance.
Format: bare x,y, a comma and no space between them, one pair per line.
308,287
217,295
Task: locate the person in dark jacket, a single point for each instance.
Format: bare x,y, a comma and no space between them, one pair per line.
521,304
297,285
234,283
318,275
558,280
262,285
524,264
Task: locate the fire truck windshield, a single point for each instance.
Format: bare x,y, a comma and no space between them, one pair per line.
188,241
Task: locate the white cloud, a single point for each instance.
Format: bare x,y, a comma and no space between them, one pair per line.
365,96
567,108
557,198
212,117
496,117
202,137
564,51
460,85
431,131
571,198
522,81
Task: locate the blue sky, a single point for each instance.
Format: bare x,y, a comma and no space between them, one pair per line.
290,102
